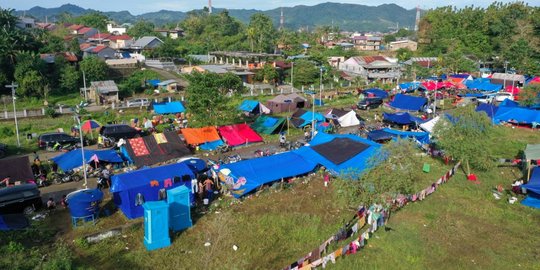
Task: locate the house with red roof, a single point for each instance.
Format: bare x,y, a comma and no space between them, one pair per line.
100,51
372,68
120,42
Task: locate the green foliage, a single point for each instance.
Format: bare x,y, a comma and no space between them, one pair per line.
136,82
267,74
50,112
60,259
261,33
142,28
94,19
463,137
95,69
403,54
305,72
529,95
81,242
70,79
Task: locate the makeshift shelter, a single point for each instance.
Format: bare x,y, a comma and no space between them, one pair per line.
434,85
196,136
402,118
89,125
254,107
533,190
375,92
341,154
409,86
508,79
239,134
17,168
343,117
532,152
517,115
73,159
132,189
302,118
514,90
287,103
245,176
489,109
155,148
428,126
483,84
408,103
169,107
387,134
508,103
268,124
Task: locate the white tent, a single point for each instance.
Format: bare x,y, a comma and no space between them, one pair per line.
428,126
263,109
345,118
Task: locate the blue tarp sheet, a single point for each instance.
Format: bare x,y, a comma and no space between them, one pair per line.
247,175
209,146
402,118
421,137
248,105
309,116
533,190
409,103
483,85
351,168
319,102
169,107
153,82
410,86
73,158
376,92
489,109
518,114
508,103
148,182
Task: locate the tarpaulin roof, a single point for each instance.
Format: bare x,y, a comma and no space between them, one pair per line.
160,147
508,103
409,103
17,168
532,152
196,136
514,90
267,124
248,105
244,176
239,134
73,158
489,109
169,107
428,126
337,155
209,146
483,84
533,190
13,222
517,114
421,137
402,118
409,85
126,187
534,80
379,135
377,92
431,85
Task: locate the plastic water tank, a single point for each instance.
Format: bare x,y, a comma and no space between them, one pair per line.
83,203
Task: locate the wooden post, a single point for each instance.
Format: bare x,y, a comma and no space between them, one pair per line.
528,170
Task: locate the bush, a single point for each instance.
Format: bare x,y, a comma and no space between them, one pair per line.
50,112
6,132
61,258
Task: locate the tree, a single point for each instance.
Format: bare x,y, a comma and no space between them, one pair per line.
94,19
69,79
136,82
462,135
305,72
267,74
95,69
263,32
404,54
31,84
530,95
142,28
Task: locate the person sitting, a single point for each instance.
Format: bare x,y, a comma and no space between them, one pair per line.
64,202
5,181
51,204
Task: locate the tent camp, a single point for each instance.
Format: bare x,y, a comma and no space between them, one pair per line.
345,155
428,126
73,159
533,190
343,117
196,136
154,148
489,109
388,134
17,168
169,107
287,103
245,176
130,190
254,107
239,134
402,118
408,103
268,124
517,115
302,118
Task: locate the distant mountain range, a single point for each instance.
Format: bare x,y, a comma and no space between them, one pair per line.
349,17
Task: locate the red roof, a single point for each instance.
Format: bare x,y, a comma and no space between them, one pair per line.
84,30
371,59
70,57
85,46
121,37
282,64
76,27
101,36
99,48
426,64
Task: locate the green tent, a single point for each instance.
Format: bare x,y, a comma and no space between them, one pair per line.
268,124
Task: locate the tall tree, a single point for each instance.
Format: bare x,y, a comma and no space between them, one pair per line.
142,28
95,69
264,32
70,79
305,72
530,95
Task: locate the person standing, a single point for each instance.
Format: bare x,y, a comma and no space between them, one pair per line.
208,186
282,139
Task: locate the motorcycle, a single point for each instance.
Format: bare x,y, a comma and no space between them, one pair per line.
41,180
59,178
101,182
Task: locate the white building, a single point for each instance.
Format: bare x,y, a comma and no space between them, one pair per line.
116,30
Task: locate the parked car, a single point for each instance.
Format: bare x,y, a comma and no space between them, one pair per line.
500,97
3,150
370,103
24,198
138,102
50,139
486,98
117,132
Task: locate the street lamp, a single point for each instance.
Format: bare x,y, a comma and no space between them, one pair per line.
13,87
312,93
78,119
320,86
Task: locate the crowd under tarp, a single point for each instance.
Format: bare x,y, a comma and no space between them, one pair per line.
389,134
402,118
408,103
533,190
73,159
155,148
489,109
17,168
245,176
196,136
344,118
130,190
268,124
253,106
239,134
342,154
169,107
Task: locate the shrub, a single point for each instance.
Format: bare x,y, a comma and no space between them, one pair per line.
50,112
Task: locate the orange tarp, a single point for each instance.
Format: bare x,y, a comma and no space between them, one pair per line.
196,136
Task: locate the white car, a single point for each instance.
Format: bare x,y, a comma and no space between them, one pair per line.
138,102
486,98
500,97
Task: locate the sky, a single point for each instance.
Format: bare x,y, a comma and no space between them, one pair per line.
142,6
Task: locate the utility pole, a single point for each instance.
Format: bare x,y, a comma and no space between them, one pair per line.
84,84
292,75
320,87
13,87
78,119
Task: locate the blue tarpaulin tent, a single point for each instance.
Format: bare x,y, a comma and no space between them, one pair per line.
376,92
508,103
421,137
533,190
341,154
402,118
248,105
306,118
409,86
408,103
245,176
489,109
517,115
130,190
209,146
153,82
483,85
73,158
169,107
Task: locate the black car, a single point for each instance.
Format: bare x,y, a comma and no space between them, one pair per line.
50,139
24,198
117,132
370,103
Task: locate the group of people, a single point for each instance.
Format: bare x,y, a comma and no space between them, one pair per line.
204,186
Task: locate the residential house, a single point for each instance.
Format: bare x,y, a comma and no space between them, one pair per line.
371,68
120,42
99,38
367,43
116,30
335,61
100,51
170,86
426,62
507,79
46,26
122,63
49,58
245,75
26,23
74,28
87,32
146,43
173,34
102,92
403,44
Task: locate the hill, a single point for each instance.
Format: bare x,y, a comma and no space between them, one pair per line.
349,17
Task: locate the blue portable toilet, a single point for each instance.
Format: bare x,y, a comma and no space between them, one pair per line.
179,208
156,225
84,204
